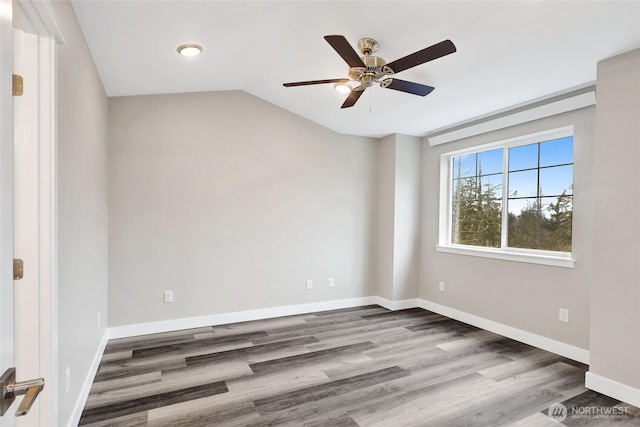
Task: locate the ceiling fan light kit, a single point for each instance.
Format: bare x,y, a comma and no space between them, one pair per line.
343,88
368,69
189,49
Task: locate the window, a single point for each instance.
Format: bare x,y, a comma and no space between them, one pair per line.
512,197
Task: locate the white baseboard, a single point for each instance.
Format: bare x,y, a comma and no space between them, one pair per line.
235,317
397,305
613,389
88,382
557,347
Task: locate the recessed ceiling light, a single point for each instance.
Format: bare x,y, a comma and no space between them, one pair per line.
342,87
189,49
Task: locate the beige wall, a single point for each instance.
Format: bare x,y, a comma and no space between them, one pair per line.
406,248
615,288
232,203
82,209
398,205
524,296
386,216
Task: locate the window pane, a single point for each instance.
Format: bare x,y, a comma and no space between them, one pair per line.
490,162
492,185
525,157
556,152
558,213
541,223
555,180
476,214
464,166
525,223
523,184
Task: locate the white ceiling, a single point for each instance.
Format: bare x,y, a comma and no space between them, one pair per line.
509,53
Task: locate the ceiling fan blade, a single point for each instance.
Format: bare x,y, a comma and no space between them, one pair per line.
344,49
353,97
408,87
315,82
425,55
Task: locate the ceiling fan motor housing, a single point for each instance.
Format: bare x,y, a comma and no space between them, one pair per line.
373,70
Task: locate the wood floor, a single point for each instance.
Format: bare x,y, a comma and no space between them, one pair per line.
364,366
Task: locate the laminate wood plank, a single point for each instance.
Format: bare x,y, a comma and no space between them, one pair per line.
126,382
252,326
309,359
315,393
535,420
248,352
203,412
469,341
117,356
115,371
404,314
398,346
366,309
531,360
240,340
179,356
260,325
326,333
342,420
422,383
153,339
258,386
150,402
348,338
132,420
170,382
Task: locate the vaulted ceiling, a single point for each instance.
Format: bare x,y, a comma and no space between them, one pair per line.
508,53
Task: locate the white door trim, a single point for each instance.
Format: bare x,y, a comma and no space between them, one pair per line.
36,17
6,193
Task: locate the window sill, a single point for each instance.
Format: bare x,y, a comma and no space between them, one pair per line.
552,260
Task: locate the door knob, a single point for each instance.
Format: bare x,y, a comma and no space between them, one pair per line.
10,389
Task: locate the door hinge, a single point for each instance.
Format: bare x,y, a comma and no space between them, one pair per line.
18,85
18,269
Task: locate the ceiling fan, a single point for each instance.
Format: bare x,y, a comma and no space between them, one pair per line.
370,69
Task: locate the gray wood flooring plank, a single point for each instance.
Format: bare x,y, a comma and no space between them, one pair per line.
310,358
197,344
150,402
249,351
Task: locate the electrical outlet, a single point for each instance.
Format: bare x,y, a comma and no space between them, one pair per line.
67,379
563,315
309,284
332,284
441,286
168,296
